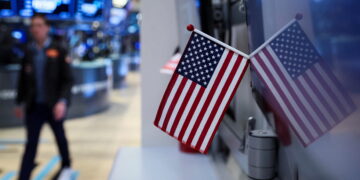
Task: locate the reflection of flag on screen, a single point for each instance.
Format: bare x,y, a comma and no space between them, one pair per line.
304,88
199,92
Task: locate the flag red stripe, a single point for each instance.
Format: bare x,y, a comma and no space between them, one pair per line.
165,98
227,105
277,103
182,108
218,102
191,113
209,97
286,100
292,92
174,101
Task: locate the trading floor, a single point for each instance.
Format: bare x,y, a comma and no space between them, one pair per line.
94,140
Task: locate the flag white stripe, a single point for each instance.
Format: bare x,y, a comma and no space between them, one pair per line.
186,111
169,100
294,86
173,65
327,97
223,104
288,96
205,95
178,104
167,71
276,94
215,97
317,101
334,88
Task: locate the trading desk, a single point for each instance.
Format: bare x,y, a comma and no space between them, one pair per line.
89,94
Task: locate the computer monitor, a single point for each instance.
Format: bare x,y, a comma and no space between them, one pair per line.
7,8
54,9
89,9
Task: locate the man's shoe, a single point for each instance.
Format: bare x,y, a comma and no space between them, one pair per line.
66,174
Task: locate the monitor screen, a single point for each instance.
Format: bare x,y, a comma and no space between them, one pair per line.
89,9
7,8
61,9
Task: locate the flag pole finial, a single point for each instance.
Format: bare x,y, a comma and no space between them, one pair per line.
298,16
190,27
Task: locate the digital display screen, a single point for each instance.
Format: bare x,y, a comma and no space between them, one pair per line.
90,9
52,8
7,8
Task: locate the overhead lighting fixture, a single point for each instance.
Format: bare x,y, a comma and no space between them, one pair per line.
119,3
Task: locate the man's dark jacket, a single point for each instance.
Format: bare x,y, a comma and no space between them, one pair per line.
58,78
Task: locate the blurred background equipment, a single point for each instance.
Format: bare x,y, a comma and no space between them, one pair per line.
102,36
7,8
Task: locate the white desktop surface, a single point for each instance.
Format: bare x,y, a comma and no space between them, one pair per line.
158,163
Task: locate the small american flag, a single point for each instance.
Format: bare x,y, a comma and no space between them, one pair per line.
200,90
171,65
303,88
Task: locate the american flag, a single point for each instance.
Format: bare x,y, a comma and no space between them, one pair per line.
199,91
304,89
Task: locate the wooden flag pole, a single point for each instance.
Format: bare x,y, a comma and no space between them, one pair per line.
298,17
190,27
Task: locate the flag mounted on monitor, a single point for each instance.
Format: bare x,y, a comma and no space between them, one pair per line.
200,90
304,91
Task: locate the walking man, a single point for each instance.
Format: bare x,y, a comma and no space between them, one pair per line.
43,94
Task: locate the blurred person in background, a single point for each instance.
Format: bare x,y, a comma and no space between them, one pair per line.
43,94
